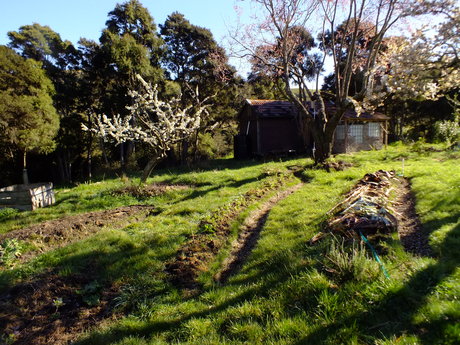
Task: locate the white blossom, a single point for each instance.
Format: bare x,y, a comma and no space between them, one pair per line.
152,121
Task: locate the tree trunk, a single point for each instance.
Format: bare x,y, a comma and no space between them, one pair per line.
25,175
151,164
122,157
90,161
61,167
323,149
104,152
184,151
90,153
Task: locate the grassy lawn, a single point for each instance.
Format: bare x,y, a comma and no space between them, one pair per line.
284,293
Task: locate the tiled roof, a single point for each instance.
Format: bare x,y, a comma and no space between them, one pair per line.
275,108
272,108
350,114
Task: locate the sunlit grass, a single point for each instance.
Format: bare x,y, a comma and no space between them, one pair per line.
287,292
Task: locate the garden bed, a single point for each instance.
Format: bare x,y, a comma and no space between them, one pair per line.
27,197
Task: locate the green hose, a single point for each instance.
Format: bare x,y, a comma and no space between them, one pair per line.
374,253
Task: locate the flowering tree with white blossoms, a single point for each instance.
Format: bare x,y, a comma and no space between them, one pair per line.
152,121
427,65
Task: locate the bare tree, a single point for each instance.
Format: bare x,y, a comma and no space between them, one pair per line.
152,121
340,26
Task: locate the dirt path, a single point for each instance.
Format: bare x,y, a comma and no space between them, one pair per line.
59,232
410,229
249,235
193,257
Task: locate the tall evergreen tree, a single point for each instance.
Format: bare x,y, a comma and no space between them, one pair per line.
129,45
61,62
193,58
28,119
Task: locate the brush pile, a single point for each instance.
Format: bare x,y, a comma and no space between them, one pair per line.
367,207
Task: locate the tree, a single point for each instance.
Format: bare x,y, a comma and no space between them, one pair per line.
28,120
158,124
129,45
345,47
191,50
62,64
428,64
193,58
423,72
59,57
43,44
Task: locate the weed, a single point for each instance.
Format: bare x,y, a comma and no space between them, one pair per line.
7,339
57,303
91,293
136,295
8,213
10,251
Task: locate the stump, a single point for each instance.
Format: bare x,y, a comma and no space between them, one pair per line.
27,197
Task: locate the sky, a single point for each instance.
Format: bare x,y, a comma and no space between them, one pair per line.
86,18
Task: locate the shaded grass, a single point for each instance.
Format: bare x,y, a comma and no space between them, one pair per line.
287,292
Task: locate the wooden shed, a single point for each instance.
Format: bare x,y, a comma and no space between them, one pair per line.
269,127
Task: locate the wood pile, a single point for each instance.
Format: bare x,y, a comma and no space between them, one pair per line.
366,208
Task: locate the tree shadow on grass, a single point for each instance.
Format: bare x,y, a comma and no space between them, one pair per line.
85,283
393,315
229,183
149,329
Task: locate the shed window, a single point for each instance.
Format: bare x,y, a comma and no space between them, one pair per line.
356,132
340,132
374,129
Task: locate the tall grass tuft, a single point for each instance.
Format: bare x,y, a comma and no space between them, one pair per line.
345,262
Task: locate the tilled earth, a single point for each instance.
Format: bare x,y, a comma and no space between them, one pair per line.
249,235
193,257
410,230
55,309
59,232
52,309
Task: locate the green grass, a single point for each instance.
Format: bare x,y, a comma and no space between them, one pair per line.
284,293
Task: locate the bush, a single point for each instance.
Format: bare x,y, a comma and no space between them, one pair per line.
213,145
447,131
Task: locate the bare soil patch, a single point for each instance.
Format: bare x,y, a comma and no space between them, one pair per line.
410,230
337,166
147,191
59,232
52,309
249,235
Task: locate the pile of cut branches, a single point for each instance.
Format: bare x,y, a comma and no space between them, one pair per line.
366,209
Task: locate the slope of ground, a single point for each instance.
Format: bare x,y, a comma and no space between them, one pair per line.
285,291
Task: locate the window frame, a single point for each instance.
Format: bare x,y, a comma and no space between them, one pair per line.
353,132
374,130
